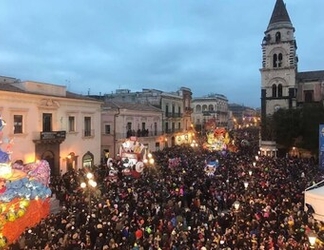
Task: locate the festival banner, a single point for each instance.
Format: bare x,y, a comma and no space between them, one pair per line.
321,146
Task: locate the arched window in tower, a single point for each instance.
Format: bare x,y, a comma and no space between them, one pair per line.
278,37
274,90
280,90
275,58
279,64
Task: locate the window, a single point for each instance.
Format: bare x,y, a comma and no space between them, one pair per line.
277,60
87,126
280,90
166,110
198,108
107,129
143,126
166,127
129,126
18,124
155,128
71,124
274,90
278,37
47,122
308,95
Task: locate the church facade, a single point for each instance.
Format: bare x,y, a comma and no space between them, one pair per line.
282,85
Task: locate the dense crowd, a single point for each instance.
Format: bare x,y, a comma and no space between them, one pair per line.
180,207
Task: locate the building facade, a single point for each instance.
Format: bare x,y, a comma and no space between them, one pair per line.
211,107
175,107
45,121
123,120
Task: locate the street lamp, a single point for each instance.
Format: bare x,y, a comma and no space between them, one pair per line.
250,172
90,184
236,206
246,184
149,161
312,239
254,164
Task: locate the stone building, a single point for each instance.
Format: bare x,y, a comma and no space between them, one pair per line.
45,121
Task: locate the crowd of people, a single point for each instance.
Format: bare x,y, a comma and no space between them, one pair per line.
180,207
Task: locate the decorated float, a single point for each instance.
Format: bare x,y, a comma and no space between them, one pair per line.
24,193
218,139
132,154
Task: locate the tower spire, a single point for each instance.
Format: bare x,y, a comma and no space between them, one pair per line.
279,16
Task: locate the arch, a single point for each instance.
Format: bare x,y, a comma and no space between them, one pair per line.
198,108
204,107
49,157
274,90
210,107
87,160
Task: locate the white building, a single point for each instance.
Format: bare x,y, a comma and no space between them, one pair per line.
210,107
45,121
121,120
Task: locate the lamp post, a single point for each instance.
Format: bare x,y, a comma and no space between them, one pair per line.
90,184
149,162
236,206
250,172
246,184
312,239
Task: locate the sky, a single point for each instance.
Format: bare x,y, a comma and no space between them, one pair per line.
97,47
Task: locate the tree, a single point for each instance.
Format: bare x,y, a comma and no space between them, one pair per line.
312,117
287,126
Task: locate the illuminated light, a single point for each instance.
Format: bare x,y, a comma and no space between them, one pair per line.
5,169
236,205
312,238
92,183
83,185
149,155
151,161
89,175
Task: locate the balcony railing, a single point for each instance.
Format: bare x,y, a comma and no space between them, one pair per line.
52,135
173,115
88,133
128,135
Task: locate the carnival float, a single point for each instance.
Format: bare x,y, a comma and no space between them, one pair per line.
218,138
24,193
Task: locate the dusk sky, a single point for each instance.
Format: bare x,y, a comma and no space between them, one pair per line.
209,46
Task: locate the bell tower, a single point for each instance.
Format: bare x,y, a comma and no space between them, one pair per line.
279,63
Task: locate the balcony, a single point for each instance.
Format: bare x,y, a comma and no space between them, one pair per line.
51,135
173,115
138,134
88,133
